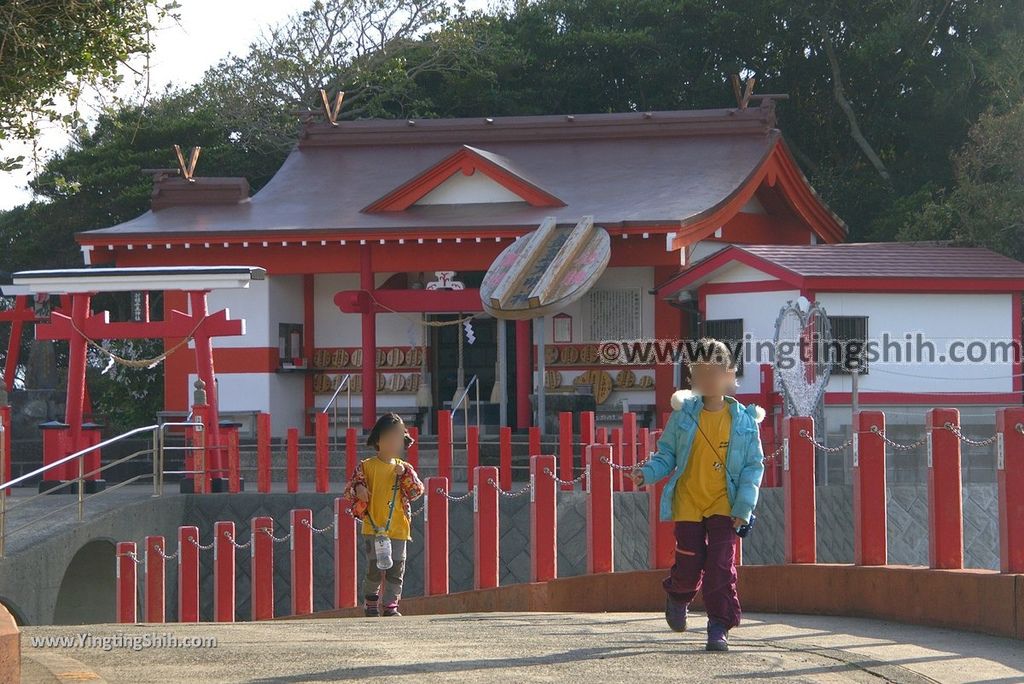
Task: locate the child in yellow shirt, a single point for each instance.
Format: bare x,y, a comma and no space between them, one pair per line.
712,447
382,489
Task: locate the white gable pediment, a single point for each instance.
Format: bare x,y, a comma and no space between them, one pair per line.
477,188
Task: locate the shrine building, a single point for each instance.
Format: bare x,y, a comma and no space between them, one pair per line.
374,231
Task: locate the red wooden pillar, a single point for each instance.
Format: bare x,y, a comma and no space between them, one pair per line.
534,441
616,458
600,511
485,528
351,452
369,340
661,553
628,449
412,455
201,453
543,520
203,345
233,451
156,582
188,574
302,561
945,496
565,448
346,578
223,571
1010,479
473,453
444,444
293,460
322,453
262,568
505,456
799,496
435,537
127,583
80,306
869,508
263,478
524,374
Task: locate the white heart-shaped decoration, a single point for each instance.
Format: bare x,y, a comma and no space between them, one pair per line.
803,381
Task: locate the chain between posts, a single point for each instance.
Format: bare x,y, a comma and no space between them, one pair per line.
806,435
317,530
955,429
775,454
231,538
578,478
163,555
897,445
510,495
201,547
448,496
616,466
269,531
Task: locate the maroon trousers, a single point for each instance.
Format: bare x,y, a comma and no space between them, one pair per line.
705,554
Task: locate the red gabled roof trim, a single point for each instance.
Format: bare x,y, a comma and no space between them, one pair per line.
467,160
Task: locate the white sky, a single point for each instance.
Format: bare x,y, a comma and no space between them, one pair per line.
207,31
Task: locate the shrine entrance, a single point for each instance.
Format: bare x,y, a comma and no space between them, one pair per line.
479,359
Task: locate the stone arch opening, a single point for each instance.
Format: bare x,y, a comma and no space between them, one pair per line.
88,589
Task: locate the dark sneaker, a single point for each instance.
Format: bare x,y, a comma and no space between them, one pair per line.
675,615
717,637
391,611
370,607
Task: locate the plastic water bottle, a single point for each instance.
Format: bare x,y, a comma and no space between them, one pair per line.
382,545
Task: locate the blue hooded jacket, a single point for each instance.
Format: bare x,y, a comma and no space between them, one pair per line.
744,459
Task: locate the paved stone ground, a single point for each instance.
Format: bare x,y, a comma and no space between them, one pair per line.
533,647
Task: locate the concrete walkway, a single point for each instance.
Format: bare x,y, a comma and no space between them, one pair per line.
534,647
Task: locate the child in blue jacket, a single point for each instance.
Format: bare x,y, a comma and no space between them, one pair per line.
712,448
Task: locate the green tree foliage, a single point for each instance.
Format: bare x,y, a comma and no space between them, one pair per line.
52,49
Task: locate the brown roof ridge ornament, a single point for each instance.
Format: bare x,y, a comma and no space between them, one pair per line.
332,111
189,169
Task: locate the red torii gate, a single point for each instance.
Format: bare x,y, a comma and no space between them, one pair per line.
82,326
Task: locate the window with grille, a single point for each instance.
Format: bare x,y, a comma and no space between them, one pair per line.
730,331
849,341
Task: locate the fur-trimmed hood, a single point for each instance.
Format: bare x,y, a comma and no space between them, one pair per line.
679,396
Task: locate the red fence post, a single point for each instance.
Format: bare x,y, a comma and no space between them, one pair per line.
262,568
628,449
945,496
600,511
435,537
444,444
156,582
870,545
472,452
223,571
534,443
602,436
799,496
127,583
565,448
351,452
616,457
485,528
293,460
412,455
302,561
188,574
505,456
661,553
263,453
543,520
346,580
322,453
1010,479
587,437
201,453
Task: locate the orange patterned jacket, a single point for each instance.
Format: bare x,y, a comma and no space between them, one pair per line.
410,486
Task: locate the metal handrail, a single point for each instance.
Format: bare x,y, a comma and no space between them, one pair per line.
156,451
344,384
473,382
